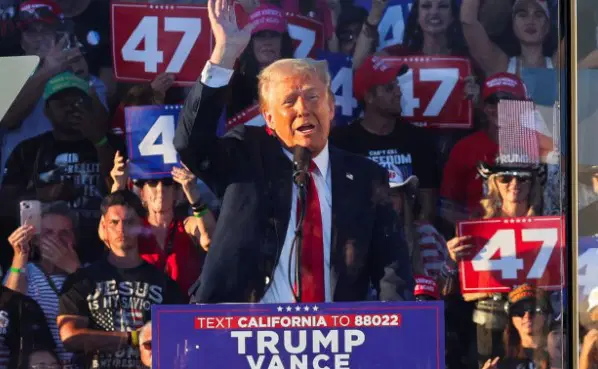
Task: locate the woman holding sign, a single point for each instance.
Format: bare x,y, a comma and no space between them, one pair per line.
514,189
175,244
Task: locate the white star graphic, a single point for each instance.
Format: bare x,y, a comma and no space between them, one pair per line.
289,308
315,308
298,308
279,309
306,308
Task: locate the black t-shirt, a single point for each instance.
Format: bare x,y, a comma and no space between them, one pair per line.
72,168
92,28
523,363
20,317
407,149
115,299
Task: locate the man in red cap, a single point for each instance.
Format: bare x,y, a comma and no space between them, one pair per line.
461,188
383,136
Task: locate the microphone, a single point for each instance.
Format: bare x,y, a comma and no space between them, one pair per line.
301,161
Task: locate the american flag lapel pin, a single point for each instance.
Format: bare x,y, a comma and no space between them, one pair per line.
349,175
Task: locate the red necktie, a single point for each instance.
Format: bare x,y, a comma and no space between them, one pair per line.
312,251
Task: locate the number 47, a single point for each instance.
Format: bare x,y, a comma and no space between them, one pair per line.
151,56
503,241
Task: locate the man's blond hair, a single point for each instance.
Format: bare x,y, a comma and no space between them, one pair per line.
290,67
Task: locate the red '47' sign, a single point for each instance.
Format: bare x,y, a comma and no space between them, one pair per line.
150,39
434,91
512,251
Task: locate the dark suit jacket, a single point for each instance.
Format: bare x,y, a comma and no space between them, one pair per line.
251,174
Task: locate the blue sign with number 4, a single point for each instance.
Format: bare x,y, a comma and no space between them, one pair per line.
340,68
150,133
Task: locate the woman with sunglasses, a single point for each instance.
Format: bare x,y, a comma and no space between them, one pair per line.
526,334
174,242
514,189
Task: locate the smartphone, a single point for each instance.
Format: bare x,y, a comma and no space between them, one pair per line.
31,214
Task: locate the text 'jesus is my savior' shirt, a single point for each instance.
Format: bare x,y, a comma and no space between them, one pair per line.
117,300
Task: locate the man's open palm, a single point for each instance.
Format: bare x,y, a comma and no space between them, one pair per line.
225,29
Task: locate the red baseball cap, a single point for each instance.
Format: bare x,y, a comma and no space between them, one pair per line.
375,71
505,83
425,285
47,11
268,18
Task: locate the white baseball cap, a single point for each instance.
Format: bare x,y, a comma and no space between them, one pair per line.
396,178
593,299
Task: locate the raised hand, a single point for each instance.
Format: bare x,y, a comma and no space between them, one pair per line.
378,9
19,240
230,40
188,182
162,83
119,172
491,363
58,60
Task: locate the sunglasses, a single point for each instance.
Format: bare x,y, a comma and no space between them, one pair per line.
46,366
155,182
532,311
508,178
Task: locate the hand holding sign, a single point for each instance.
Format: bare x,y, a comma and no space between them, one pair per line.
119,172
459,247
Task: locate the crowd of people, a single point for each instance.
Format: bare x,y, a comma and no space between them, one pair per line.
78,288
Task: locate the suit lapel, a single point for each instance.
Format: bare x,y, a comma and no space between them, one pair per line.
278,173
342,189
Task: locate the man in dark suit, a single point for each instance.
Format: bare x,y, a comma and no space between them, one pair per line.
351,236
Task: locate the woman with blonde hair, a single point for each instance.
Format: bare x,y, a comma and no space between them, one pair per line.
513,189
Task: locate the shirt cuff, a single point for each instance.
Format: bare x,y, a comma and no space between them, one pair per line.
215,76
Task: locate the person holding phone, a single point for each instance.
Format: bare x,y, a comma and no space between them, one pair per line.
38,270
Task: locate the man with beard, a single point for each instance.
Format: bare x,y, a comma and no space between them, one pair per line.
71,163
384,137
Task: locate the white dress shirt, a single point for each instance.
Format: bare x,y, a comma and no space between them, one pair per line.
278,289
